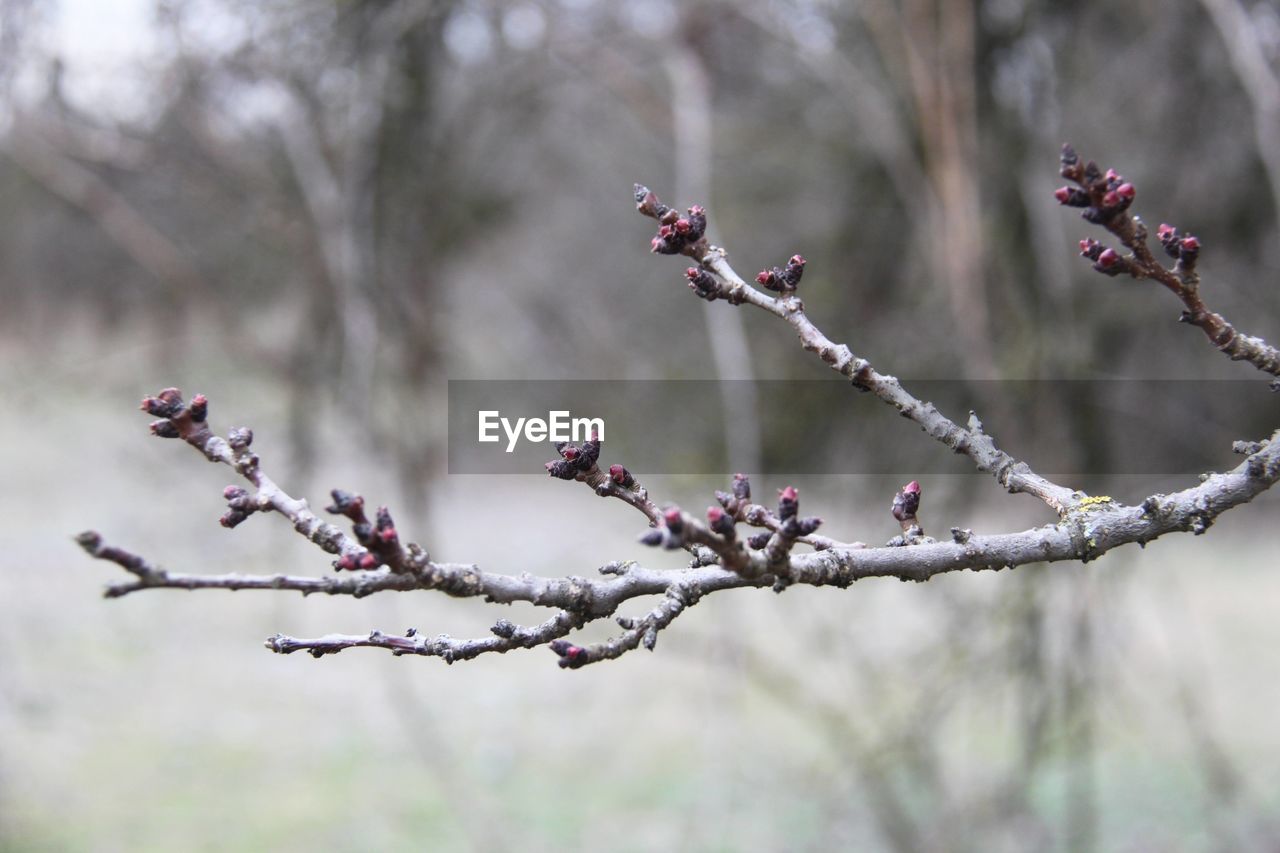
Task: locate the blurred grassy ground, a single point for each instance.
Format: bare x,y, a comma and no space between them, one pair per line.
158,722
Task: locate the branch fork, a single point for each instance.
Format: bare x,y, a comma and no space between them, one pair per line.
375,557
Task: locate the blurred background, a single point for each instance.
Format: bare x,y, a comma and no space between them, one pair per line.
319,212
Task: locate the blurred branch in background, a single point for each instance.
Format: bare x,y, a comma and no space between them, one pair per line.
302,189
1252,39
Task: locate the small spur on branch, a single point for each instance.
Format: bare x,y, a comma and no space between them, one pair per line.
374,557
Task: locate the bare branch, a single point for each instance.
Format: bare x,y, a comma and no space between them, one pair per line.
715,278
1105,199
373,557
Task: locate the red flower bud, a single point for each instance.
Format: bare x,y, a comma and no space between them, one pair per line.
906,503
621,476
571,656
199,408
674,519
1108,259
1126,191
788,502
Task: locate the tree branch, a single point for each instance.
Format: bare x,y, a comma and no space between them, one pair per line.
372,558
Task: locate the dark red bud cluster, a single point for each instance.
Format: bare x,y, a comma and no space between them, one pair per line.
758,540
380,539
1116,195
906,503
347,503
1071,196
199,408
671,534
166,404
352,562
788,502
622,477
737,502
386,528
1109,262
703,283
574,459
1105,260
721,522
673,518
571,656
647,203
1184,247
676,233
1101,195
784,280
240,505
176,416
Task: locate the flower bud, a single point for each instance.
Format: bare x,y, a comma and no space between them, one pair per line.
720,521
906,503
239,437
697,223
788,502
805,526
702,283
652,537
571,656
1071,196
164,429
674,519
621,476
346,503
562,469
166,404
1069,156
199,408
